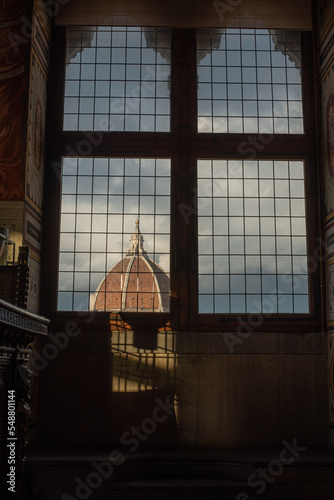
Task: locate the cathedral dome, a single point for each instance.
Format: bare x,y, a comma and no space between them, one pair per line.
135,284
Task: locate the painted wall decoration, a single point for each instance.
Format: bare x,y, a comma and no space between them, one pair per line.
33,233
331,378
12,218
327,105
330,133
330,296
325,29
36,133
35,157
326,79
329,237
37,106
325,10
41,34
34,286
13,85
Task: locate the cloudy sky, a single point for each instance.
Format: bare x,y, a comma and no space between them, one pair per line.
119,82
101,201
252,235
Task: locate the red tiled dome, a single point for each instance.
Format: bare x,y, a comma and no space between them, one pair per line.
136,283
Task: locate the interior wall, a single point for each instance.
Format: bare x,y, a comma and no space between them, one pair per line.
13,93
13,84
100,387
108,384
24,41
324,39
40,29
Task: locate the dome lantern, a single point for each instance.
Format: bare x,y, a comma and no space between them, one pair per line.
136,242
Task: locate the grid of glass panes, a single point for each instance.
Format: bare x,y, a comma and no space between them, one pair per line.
249,81
252,237
100,202
117,79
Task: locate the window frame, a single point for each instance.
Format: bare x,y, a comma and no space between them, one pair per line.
184,145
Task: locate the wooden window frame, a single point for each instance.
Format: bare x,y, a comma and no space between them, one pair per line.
183,144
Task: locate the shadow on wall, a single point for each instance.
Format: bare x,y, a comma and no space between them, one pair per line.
143,403
220,400
165,388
